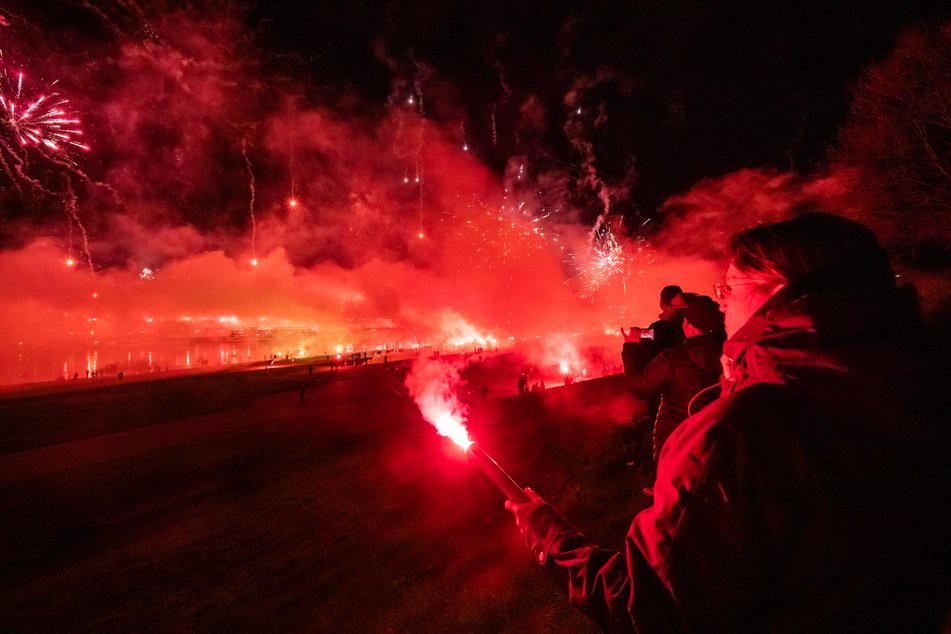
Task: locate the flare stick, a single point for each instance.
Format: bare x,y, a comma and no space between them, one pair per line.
498,475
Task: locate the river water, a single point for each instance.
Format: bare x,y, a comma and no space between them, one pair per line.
30,364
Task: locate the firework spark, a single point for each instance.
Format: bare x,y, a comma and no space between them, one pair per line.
254,226
505,235
610,263
44,122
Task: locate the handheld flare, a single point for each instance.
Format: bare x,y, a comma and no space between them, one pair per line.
499,477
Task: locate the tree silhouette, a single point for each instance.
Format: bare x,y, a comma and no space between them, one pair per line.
894,151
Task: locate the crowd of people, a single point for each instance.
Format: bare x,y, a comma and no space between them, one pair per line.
803,483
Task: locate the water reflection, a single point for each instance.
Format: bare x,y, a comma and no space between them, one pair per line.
41,363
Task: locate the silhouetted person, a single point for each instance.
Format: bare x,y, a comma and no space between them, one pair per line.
680,375
667,329
813,495
667,332
303,390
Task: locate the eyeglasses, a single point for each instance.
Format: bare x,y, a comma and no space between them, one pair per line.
723,291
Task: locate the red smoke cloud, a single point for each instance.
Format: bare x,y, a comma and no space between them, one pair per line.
199,150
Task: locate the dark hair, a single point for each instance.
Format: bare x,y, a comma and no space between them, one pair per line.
816,251
688,298
668,293
703,314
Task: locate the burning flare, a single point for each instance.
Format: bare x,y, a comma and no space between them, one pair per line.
433,385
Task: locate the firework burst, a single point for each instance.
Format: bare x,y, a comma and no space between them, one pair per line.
44,122
611,263
41,123
504,235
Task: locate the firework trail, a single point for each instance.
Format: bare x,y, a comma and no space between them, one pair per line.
507,93
290,168
574,128
415,102
422,74
72,208
254,227
419,175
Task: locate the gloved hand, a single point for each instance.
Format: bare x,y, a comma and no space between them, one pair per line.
522,510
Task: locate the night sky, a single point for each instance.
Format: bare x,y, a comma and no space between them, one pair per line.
352,147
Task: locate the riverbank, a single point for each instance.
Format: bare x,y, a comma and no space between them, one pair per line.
225,500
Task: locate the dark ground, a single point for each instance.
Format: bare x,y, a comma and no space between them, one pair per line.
221,502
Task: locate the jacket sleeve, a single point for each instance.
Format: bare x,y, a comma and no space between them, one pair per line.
645,379
603,583
705,554
725,509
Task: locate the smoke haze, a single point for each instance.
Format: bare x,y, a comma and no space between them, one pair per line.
237,180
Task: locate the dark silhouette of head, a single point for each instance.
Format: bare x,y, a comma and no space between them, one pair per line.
668,293
815,252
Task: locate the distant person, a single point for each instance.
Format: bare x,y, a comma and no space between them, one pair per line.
303,390
685,377
679,304
522,384
814,495
667,329
667,332
121,374
484,392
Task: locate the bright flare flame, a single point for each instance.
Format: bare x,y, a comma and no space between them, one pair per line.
433,383
452,428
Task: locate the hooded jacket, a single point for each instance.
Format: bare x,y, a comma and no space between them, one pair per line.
677,375
814,496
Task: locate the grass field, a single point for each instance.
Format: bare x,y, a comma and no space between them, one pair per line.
221,502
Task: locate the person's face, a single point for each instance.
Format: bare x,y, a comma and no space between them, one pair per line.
746,294
677,303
